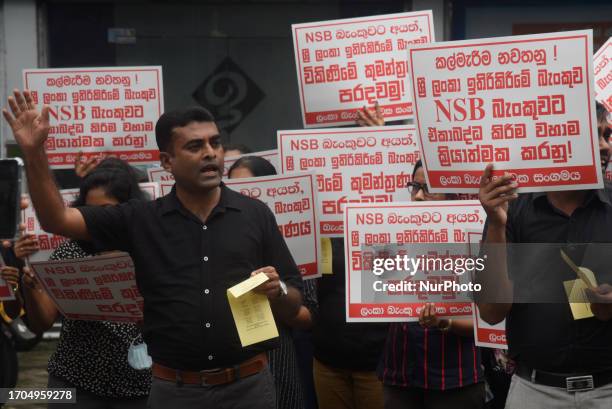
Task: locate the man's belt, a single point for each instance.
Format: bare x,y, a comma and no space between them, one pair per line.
222,376
569,382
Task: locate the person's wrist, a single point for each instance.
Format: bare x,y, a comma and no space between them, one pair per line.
34,154
496,223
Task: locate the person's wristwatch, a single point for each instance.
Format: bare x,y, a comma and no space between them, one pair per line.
282,291
446,327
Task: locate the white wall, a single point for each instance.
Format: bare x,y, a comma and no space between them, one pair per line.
18,50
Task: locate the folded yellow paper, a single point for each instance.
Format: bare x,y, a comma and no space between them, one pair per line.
251,311
586,275
248,285
326,256
574,289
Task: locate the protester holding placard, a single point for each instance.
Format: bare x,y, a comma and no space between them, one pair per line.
189,248
433,363
102,373
563,352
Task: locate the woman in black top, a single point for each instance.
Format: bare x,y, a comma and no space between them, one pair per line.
91,356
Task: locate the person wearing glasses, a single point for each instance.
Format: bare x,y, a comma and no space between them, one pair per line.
432,363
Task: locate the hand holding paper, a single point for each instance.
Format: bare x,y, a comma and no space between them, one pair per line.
271,287
601,301
579,290
583,273
251,311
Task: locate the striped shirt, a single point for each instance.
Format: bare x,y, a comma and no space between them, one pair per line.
428,358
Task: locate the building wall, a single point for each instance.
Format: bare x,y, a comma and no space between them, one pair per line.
191,40
18,50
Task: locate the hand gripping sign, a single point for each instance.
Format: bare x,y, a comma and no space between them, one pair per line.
293,200
111,110
343,65
101,288
602,63
353,165
400,256
524,103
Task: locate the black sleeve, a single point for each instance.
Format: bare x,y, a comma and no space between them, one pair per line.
511,236
109,226
310,300
277,254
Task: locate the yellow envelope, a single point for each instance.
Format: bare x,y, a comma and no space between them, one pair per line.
326,256
574,289
251,311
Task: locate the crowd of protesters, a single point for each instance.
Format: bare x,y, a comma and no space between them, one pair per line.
191,245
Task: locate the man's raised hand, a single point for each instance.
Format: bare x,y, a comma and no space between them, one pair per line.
495,194
29,127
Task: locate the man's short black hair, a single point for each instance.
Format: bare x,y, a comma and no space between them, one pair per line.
175,119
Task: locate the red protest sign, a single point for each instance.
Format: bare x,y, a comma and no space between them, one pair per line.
99,110
343,65
353,165
101,288
602,63
434,229
293,200
524,103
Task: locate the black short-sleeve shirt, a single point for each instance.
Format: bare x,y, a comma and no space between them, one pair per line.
184,268
545,335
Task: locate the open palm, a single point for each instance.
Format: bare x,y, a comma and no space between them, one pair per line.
29,126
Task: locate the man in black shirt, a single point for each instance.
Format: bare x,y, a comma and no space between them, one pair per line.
188,248
561,361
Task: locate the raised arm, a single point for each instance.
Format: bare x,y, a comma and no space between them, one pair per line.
31,129
494,196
